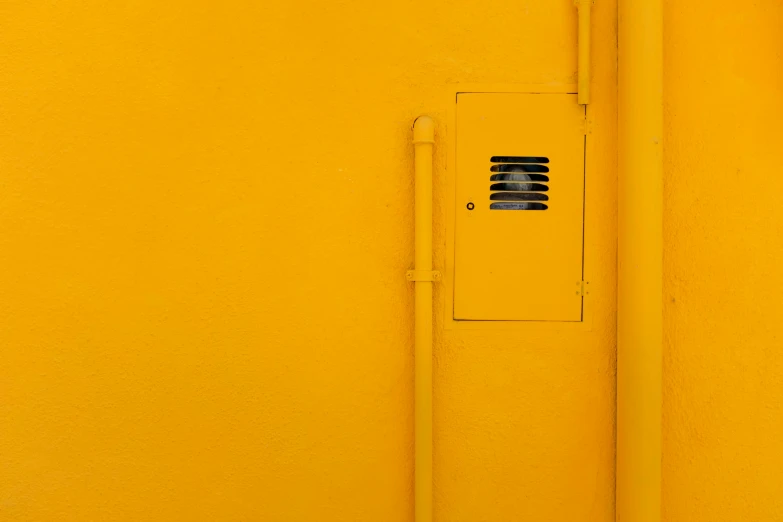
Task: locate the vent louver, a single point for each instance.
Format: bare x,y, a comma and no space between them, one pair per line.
523,180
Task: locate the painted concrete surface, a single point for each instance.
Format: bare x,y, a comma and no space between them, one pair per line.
723,366
206,215
207,218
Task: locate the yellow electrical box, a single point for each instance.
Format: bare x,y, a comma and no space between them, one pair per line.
520,178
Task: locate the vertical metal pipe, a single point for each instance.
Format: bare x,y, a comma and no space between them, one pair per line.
583,53
640,244
423,140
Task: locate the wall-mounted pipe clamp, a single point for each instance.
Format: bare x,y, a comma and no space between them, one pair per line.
423,275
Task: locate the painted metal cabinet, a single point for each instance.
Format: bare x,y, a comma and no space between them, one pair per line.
519,209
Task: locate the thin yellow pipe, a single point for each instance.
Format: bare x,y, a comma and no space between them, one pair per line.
423,140
583,67
640,243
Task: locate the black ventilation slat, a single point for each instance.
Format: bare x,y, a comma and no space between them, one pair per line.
518,206
518,168
520,187
519,159
518,177
518,196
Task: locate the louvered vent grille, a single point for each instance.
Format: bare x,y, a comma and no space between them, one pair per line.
523,182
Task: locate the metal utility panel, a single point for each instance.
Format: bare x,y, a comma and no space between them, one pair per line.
520,180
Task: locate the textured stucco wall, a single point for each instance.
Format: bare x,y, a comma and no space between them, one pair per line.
723,364
206,219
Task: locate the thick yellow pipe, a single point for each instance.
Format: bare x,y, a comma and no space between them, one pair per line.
583,55
639,312
423,140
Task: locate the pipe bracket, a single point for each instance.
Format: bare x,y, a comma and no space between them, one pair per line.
423,275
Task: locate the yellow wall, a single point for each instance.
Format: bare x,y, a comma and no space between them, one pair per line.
205,219
723,356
